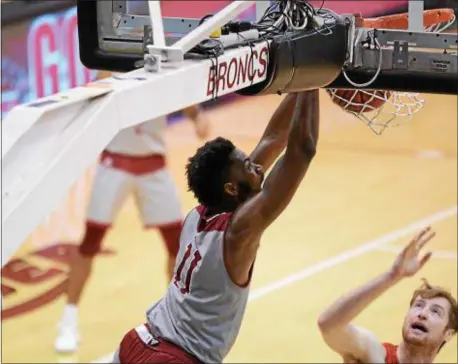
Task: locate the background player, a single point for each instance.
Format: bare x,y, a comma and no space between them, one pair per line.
431,320
134,161
200,317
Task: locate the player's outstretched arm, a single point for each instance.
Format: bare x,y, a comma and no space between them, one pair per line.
200,120
275,136
335,322
192,112
254,216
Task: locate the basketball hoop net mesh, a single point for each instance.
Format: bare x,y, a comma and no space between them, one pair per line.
381,109
393,105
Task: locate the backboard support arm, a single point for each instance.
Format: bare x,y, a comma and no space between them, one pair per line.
157,24
415,12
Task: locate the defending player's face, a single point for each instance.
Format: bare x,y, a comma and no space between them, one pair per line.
246,177
426,322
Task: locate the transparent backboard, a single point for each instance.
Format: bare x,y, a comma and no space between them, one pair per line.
112,32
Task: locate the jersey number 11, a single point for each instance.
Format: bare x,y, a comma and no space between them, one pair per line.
183,276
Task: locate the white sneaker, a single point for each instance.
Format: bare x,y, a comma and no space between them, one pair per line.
67,339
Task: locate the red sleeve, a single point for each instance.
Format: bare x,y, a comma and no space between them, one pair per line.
391,356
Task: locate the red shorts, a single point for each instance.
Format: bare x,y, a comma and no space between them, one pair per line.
139,346
136,165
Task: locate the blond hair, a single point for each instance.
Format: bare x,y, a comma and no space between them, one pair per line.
427,291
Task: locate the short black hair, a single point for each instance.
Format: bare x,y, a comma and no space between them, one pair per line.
207,171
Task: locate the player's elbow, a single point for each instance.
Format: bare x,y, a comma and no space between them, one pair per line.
328,323
302,150
350,340
308,148
332,336
324,323
335,337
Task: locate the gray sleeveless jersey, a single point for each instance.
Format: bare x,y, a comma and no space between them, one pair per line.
203,309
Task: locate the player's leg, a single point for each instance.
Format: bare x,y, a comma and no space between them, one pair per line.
110,188
160,208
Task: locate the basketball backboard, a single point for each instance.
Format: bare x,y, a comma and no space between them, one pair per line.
111,32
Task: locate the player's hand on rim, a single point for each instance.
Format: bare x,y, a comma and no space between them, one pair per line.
410,261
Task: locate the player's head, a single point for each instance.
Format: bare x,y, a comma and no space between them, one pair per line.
221,176
432,319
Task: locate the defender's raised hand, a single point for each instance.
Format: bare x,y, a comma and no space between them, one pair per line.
409,262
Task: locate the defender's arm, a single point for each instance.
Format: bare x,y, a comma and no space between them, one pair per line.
346,338
334,322
253,217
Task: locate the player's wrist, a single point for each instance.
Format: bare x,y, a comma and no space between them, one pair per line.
392,276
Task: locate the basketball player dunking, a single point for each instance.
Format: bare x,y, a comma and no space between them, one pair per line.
431,320
134,161
199,318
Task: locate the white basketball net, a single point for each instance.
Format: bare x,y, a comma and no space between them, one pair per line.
440,27
396,105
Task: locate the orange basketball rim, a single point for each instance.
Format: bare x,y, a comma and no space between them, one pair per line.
401,21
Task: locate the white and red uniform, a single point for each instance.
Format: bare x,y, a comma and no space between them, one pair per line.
134,161
199,318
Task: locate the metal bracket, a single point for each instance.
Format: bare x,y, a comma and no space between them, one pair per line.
119,6
152,62
407,60
401,55
147,37
171,25
169,54
386,37
154,57
406,51
350,18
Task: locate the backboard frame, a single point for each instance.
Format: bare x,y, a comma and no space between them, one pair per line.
119,44
91,55
103,52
